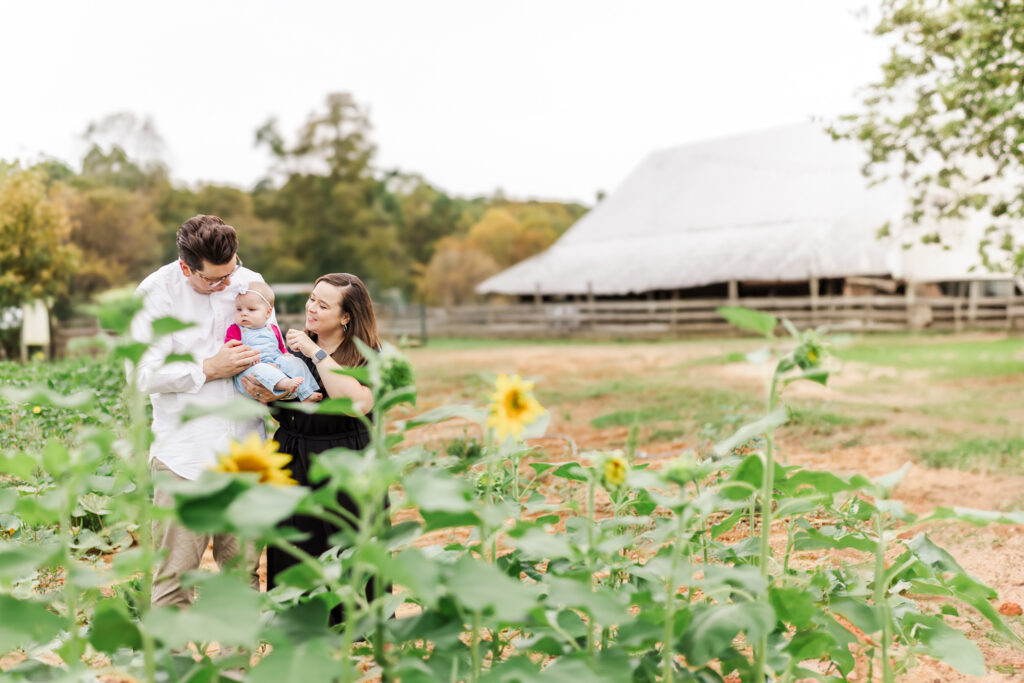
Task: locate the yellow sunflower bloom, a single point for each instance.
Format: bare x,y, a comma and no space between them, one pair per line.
260,457
512,406
614,471
36,410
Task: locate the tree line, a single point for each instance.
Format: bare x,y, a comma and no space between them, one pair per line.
68,233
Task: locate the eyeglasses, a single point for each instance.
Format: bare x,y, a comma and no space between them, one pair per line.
213,282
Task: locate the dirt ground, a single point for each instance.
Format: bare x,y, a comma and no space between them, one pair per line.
581,383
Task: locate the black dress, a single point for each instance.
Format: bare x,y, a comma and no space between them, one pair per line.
303,436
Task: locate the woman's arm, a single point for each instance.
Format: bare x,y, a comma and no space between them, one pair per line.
334,385
343,386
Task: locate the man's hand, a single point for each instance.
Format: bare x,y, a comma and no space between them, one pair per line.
260,392
231,359
298,340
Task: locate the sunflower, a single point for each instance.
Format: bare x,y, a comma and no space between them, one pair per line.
260,457
512,406
614,471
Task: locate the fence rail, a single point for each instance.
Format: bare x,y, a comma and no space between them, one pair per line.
663,318
679,317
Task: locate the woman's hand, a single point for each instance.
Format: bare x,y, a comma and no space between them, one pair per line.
259,392
297,340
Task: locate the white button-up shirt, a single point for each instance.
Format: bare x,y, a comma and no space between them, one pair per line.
191,447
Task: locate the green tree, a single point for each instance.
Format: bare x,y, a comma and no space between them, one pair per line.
36,257
334,209
946,116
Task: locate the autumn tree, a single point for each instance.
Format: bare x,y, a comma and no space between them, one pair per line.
946,116
454,271
36,257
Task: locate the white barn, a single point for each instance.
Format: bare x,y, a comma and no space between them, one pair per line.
784,205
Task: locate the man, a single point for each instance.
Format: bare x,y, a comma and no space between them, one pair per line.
198,288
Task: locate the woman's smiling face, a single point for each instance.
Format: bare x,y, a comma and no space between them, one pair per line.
323,309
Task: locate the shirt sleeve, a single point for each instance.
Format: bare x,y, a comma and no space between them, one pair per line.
234,332
280,340
153,374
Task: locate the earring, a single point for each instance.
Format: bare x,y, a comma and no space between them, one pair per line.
344,327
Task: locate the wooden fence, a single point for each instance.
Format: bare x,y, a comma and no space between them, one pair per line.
667,318
682,317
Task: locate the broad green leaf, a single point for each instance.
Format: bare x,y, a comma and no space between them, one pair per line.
793,605
478,585
169,325
26,623
208,512
889,481
42,396
745,480
18,561
777,417
55,457
310,660
111,628
945,643
227,611
571,470
749,319
471,413
259,509
237,409
603,607
714,627
435,491
20,465
857,612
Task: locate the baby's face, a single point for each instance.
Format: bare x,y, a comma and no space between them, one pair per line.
251,311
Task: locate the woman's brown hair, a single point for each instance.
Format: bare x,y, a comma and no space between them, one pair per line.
362,323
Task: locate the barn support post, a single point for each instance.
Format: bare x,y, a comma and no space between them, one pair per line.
972,300
734,293
910,301
814,286
591,316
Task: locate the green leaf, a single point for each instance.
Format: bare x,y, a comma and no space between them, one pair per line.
237,409
602,607
20,465
945,643
777,417
306,661
360,373
26,623
110,628
748,319
18,561
431,490
55,457
714,627
745,479
227,611
207,512
132,351
793,605
572,471
479,585
471,413
42,396
259,509
169,325
857,612
889,481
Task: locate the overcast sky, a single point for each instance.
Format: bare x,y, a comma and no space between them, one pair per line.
541,98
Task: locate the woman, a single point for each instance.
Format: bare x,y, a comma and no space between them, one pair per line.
339,310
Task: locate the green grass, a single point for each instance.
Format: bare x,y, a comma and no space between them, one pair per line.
1001,455
944,359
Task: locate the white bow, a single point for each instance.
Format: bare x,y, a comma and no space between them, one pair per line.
244,289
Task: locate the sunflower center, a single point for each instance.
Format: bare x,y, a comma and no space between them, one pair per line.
514,403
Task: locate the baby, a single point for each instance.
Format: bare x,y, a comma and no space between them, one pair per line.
252,312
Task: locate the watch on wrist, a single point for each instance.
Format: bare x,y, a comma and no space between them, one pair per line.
319,355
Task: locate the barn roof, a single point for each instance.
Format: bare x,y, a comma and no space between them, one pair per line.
784,204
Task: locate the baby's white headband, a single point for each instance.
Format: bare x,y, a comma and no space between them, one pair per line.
246,290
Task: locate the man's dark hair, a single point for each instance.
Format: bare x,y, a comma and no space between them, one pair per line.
206,238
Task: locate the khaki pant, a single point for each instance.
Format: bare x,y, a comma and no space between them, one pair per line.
182,551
